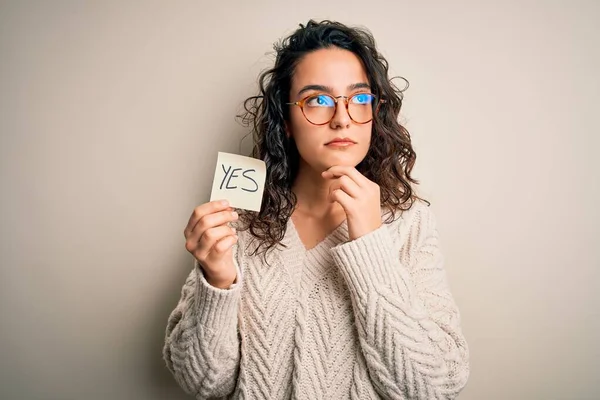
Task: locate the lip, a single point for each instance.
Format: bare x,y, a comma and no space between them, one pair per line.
340,142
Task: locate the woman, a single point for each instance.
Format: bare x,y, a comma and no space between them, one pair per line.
336,289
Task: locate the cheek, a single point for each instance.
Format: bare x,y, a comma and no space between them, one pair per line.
307,139
366,136
301,130
297,122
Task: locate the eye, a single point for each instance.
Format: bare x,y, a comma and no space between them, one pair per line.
320,100
362,98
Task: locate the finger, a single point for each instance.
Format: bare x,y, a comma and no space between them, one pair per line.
202,210
222,246
343,198
210,221
351,172
210,237
347,185
213,235
335,185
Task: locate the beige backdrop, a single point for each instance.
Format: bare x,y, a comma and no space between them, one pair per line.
111,116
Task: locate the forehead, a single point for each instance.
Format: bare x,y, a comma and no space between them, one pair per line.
333,67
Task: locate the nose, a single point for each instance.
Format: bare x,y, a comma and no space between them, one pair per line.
341,119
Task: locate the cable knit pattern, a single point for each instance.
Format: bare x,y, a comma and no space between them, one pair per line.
407,321
365,319
202,346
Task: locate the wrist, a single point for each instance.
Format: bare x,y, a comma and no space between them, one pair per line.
221,282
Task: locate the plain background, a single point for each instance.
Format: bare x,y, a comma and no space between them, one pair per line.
111,116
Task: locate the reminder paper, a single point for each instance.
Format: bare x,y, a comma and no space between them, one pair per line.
240,180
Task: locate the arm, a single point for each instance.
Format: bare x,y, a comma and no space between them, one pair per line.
407,321
201,342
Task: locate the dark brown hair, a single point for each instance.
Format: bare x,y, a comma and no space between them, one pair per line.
388,162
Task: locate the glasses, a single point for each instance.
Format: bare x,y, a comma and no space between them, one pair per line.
319,109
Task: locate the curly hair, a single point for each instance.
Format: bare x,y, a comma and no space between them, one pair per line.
389,160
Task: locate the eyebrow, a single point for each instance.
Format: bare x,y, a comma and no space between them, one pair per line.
328,89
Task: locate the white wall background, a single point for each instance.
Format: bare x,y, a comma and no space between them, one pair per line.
111,115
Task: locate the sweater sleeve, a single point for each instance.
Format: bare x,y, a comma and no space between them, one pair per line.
202,347
407,321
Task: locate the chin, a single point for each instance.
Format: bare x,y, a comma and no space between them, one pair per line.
345,160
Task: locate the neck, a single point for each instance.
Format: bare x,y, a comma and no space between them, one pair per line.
312,192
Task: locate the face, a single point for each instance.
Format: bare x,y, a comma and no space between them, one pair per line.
335,72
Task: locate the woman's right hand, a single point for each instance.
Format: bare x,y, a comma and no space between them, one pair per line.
210,240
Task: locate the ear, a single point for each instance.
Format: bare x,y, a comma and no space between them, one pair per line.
288,131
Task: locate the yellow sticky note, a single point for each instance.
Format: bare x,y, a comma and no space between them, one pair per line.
240,180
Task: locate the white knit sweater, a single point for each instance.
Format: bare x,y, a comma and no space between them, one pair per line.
364,319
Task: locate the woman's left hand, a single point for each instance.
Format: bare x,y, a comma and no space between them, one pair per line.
358,196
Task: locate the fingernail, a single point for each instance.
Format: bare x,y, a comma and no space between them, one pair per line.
234,214
224,203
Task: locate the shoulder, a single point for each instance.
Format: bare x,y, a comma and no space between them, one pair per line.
417,213
413,224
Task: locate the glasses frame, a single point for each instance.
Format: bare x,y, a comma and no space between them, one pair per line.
300,103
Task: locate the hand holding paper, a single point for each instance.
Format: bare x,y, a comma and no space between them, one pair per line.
210,239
